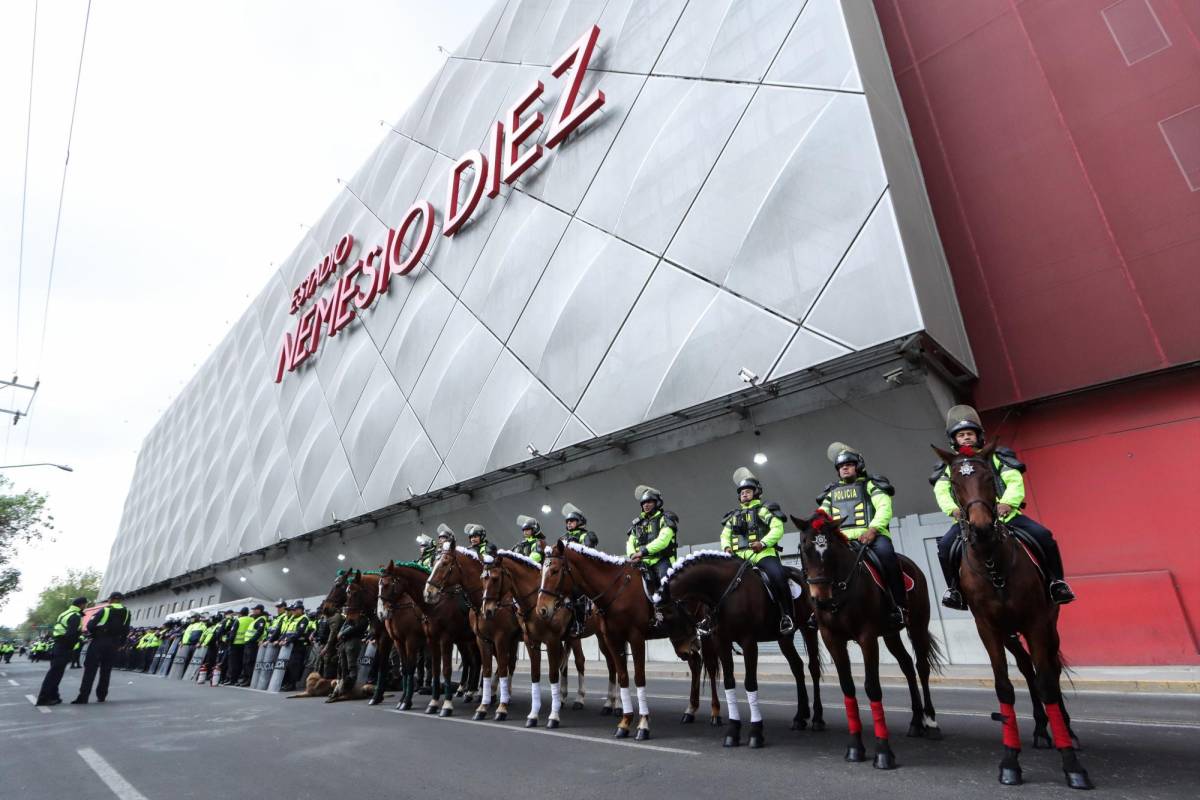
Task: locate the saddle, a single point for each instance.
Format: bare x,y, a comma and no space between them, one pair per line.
1027,543
875,569
795,582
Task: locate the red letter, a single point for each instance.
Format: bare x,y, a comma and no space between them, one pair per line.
395,261
342,251
364,299
566,117
285,357
344,290
304,329
455,216
514,163
496,156
324,309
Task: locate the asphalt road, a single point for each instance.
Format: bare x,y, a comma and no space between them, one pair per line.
159,738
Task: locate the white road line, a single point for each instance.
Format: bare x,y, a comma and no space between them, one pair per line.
33,700
11,682
561,734
112,779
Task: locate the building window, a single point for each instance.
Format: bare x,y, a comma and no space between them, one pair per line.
211,599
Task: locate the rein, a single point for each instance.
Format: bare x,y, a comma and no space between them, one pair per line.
995,574
516,604
840,587
560,600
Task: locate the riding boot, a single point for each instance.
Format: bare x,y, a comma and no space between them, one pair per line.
786,625
1060,591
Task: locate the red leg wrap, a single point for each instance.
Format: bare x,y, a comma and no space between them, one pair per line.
1012,738
852,715
1058,726
881,731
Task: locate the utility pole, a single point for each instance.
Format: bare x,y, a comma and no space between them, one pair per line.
15,383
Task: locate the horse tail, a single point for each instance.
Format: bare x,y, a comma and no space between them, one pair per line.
1067,670
936,658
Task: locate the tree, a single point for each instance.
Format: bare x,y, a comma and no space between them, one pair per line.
55,598
23,518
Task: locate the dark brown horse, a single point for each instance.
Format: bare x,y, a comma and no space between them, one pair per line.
1007,596
337,599
614,586
734,608
458,574
403,624
851,607
511,580
447,625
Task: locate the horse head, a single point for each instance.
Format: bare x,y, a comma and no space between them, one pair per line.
336,598
444,569
391,587
557,583
357,600
825,555
493,577
973,484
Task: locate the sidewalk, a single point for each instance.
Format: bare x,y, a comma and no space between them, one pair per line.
1174,680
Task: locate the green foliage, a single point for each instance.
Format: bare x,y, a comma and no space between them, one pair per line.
23,519
54,599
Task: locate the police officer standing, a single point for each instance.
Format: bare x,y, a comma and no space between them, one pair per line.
237,648
107,631
66,634
253,636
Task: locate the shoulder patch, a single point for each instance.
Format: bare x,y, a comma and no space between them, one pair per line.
775,510
825,492
883,485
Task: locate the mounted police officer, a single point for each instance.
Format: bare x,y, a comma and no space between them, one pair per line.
576,525
752,531
66,633
863,502
966,431
427,550
653,537
477,538
533,541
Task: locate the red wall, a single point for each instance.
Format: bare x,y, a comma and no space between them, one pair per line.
1114,474
1072,231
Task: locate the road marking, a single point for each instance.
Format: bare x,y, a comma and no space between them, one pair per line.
112,779
561,734
33,700
11,682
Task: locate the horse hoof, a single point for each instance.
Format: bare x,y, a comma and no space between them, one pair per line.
606,711
644,733
531,722
1079,780
577,705
732,741
716,721
1010,776
818,725
478,716
1075,745
885,759
855,754
687,719
401,706
799,724
446,712
916,731
622,733
551,723
756,742
501,716
1041,740
373,702
469,697
431,708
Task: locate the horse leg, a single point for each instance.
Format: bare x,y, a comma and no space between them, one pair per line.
993,642
925,651
448,687
756,738
412,654
383,654
1043,649
580,674
1041,734
554,656
708,655
884,757
435,676
486,652
733,732
610,696
621,658
506,685
787,646
896,647
695,667
855,751
638,645
813,647
535,685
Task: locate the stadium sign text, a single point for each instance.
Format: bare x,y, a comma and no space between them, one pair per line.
509,155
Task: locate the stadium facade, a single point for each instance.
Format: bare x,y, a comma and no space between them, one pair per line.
652,241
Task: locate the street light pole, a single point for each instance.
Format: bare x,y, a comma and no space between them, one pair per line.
63,467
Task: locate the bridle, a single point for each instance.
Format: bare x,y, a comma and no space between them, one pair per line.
561,599
968,533
497,564
457,589
838,587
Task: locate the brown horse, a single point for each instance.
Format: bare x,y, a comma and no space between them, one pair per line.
511,580
403,624
338,597
734,608
851,607
458,573
447,626
1007,596
614,586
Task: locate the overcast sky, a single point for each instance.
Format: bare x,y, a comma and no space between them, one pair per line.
205,134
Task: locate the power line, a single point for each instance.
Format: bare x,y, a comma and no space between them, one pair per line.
25,192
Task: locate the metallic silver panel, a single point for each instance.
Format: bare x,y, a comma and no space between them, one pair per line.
577,308
511,263
806,350
406,461
513,410
796,182
455,372
477,40
661,157
875,267
562,24
817,52
634,32
417,330
573,433
379,407
515,32
727,39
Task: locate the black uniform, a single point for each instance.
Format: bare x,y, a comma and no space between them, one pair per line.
108,630
66,634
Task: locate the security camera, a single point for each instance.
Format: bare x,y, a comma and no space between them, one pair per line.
895,377
748,376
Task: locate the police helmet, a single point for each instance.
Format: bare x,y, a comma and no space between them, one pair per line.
298,604
841,454
570,512
423,540
963,418
744,479
645,494
472,529
243,610
444,531
528,523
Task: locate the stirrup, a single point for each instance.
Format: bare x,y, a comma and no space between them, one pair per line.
951,598
1060,592
786,626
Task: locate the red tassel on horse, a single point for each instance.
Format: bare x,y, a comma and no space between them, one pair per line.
1058,726
852,719
881,731
1012,738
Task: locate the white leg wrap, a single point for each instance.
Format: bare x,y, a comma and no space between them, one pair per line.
535,699
755,713
731,702
505,690
643,703
486,699
555,701
579,692
626,701
929,721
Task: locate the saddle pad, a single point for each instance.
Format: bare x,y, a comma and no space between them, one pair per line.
908,581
